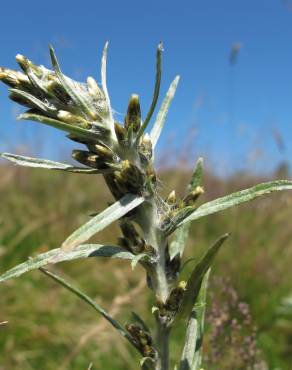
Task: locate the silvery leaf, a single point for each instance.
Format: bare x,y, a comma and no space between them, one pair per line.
93,304
161,116
102,220
178,244
71,129
58,255
195,280
234,199
156,90
25,161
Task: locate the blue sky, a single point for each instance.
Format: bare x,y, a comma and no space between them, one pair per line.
228,113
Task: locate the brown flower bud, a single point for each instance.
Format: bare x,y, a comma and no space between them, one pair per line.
130,177
120,132
174,300
54,87
171,198
72,119
13,78
143,340
94,89
133,117
191,198
132,237
145,146
104,152
89,159
22,61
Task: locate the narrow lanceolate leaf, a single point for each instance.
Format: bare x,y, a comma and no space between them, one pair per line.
75,130
190,343
68,86
93,304
161,116
195,281
58,255
191,356
200,308
25,161
36,82
102,220
156,90
103,78
32,100
178,244
197,176
239,197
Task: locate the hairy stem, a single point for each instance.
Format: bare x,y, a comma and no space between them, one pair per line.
148,219
163,346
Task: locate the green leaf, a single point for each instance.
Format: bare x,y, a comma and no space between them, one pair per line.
190,343
25,161
66,82
156,90
195,280
191,356
78,131
102,220
200,308
197,176
189,260
161,116
181,235
58,255
93,304
234,199
178,244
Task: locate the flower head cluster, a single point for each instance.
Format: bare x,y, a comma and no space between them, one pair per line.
121,152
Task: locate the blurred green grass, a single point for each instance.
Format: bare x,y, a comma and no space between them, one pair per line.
50,329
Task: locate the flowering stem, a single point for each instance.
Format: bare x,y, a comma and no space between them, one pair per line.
163,346
148,219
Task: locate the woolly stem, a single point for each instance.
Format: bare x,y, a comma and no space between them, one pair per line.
163,346
148,218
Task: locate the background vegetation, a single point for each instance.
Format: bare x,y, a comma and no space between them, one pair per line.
250,318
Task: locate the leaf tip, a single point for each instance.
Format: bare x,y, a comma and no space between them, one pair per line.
200,161
52,51
222,238
21,117
105,48
54,60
